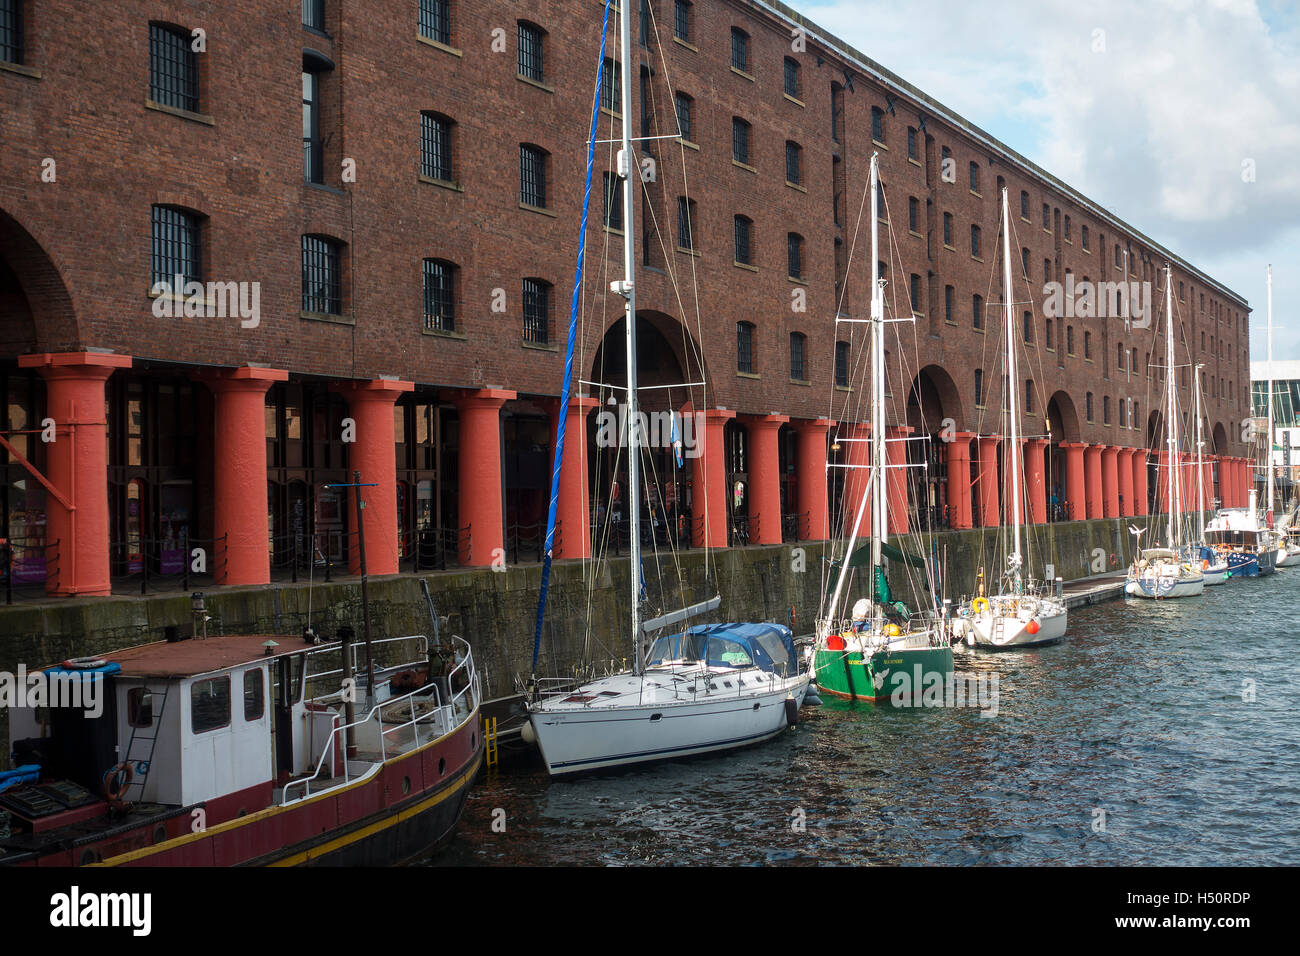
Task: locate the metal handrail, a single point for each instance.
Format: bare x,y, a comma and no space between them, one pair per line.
328,751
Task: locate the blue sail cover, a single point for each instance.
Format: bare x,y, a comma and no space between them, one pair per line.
769,647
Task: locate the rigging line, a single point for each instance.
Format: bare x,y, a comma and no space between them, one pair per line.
568,358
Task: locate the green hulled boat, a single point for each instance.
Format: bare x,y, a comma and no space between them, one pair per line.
883,651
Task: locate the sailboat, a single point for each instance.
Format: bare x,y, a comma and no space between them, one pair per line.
1249,544
1018,615
709,688
1168,572
1214,565
1288,554
881,651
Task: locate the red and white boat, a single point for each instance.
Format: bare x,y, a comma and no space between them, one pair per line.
239,750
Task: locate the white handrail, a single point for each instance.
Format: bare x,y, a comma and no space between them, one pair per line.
471,687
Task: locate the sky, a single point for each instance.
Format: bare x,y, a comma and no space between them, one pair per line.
1181,117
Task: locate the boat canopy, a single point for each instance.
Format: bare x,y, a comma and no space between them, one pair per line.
769,647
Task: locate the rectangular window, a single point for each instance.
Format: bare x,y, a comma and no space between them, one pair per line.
739,50
745,348
685,228
1029,395
949,297
11,31
974,178
439,301
644,37
254,694
683,104
173,69
911,142
742,240
435,20
878,124
532,176
791,78
537,312
530,52
312,150
139,707
435,147
979,387
321,282
794,256
913,213
1049,338
947,229
176,249
740,140
1024,204
792,163
975,241
209,704
797,371
1084,237
614,201
842,364
682,20
611,87
1047,217
914,290
977,312
313,14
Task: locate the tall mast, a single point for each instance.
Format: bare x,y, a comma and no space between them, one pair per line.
881,499
877,309
628,290
1268,444
1200,476
1171,412
1013,404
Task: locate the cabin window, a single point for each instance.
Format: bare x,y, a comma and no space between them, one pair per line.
139,707
210,704
254,694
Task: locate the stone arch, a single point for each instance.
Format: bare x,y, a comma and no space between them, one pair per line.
934,410
932,397
1219,439
36,311
667,354
1062,418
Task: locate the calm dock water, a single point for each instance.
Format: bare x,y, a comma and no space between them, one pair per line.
1157,733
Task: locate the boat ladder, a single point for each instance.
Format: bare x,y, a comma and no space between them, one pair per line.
490,741
140,748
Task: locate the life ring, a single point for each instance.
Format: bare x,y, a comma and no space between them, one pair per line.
979,605
83,663
1114,560
116,779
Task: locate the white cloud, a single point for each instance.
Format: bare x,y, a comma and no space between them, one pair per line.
1155,126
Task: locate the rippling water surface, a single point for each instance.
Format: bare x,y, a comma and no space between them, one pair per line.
1139,713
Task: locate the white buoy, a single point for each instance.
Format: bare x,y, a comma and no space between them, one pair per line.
527,734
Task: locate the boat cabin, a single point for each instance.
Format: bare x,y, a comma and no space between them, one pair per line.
767,647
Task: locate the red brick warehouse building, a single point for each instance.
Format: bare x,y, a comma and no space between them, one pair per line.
413,256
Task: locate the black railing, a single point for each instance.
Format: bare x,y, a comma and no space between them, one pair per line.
160,563
796,527
28,568
741,530
428,549
528,539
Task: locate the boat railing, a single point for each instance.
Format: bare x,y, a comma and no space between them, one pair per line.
422,648
467,699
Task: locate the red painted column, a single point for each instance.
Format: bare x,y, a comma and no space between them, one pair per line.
1076,494
709,479
1207,484
959,500
77,467
1240,490
810,472
1247,479
1092,480
896,477
239,520
1189,483
765,477
855,448
1008,477
480,477
370,405
1163,483
1141,457
1035,480
987,480
1127,506
1110,481
572,508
